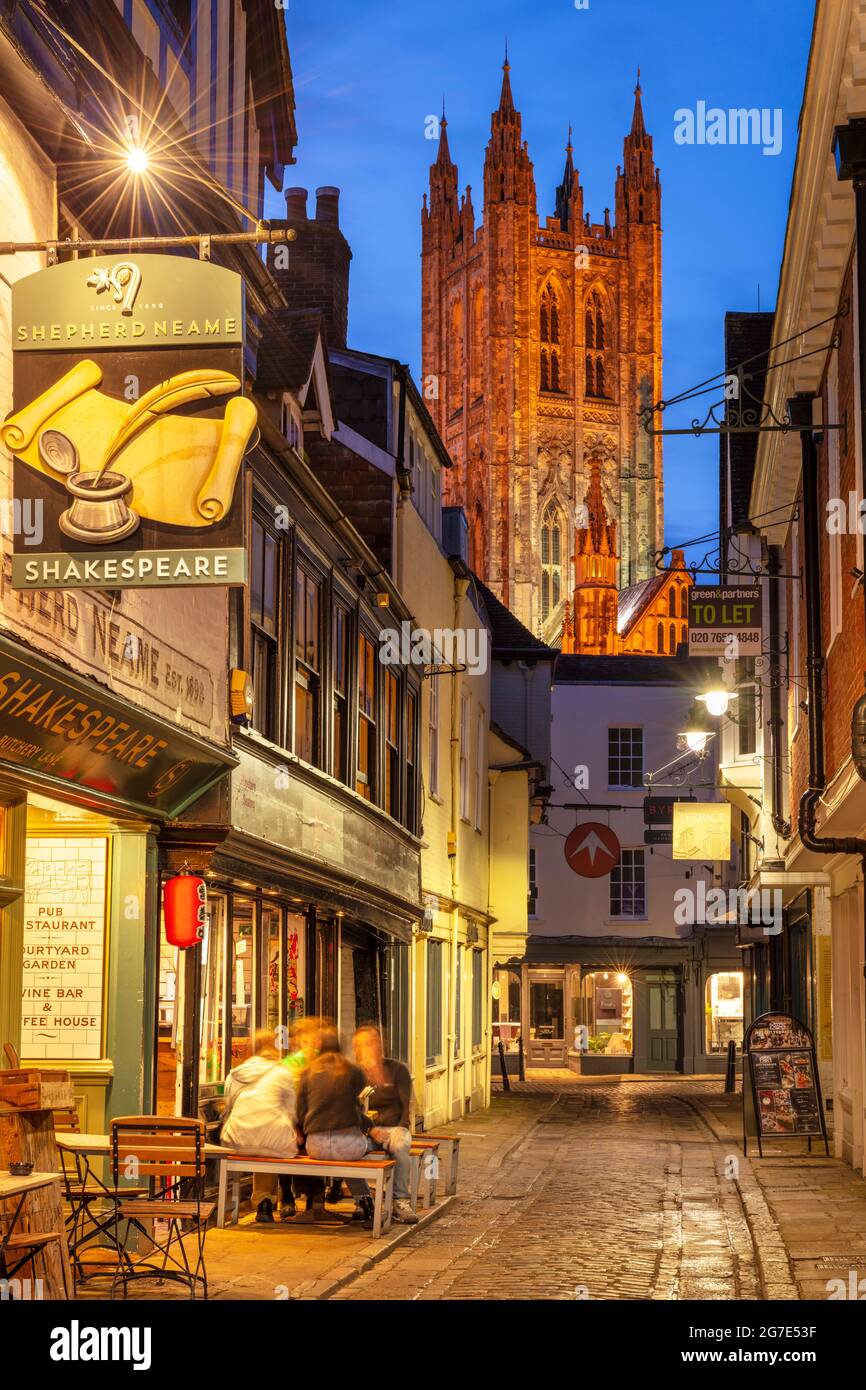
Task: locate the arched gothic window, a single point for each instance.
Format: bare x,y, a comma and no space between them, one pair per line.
552,375
596,345
477,346
660,638
672,602
684,602
455,358
551,559
673,634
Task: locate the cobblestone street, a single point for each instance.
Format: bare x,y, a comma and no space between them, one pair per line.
633,1190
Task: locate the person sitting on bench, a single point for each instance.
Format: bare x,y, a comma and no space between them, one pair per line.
330,1117
257,1119
388,1106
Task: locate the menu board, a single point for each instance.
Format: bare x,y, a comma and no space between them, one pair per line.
785,1087
64,947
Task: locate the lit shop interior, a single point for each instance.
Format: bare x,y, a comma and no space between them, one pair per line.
587,1018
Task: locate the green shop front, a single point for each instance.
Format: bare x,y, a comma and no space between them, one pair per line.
87,780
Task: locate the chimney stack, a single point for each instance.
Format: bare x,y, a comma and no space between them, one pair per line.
317,274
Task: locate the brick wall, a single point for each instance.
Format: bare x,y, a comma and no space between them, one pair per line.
317,275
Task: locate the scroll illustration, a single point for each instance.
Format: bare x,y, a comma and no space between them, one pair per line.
120,462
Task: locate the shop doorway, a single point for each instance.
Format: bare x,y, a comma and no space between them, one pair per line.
546,1045
665,1019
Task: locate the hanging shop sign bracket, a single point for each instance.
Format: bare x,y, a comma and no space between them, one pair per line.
204,241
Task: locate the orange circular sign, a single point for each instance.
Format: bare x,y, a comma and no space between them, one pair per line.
592,849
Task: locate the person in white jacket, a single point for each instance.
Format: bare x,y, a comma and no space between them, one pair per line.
260,1103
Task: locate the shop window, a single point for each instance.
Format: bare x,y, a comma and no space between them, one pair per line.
241,980
412,762
365,780
212,1041
434,1002
724,1010
296,938
545,1011
628,885
307,666
506,1010
480,769
478,973
270,970
605,1020
265,571
392,744
65,910
340,755
624,757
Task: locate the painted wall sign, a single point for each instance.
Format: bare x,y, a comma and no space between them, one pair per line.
702,830
65,885
592,849
68,729
129,428
720,613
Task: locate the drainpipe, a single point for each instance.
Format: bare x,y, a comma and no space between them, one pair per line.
461,588
781,826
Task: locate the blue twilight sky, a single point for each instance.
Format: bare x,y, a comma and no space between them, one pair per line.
366,77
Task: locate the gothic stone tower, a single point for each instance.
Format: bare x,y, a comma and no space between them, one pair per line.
540,343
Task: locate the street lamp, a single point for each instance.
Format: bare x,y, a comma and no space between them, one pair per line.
137,161
717,700
698,731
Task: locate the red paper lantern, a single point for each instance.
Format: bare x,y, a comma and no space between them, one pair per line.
184,906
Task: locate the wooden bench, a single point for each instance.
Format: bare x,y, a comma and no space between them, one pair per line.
423,1180
452,1141
378,1171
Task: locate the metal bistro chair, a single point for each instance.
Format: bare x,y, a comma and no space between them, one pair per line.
170,1152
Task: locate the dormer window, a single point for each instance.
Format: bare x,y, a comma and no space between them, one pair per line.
290,425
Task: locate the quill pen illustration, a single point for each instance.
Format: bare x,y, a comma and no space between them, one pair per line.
162,398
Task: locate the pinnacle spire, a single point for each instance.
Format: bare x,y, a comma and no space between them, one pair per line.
638,128
506,100
566,188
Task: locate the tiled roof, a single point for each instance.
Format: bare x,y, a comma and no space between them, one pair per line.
634,600
509,635
285,354
635,670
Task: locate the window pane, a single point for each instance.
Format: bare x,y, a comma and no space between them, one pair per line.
545,1010
241,983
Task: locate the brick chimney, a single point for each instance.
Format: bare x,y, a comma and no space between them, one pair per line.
317,275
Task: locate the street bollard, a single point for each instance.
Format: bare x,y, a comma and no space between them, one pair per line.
521,1060
731,1076
506,1084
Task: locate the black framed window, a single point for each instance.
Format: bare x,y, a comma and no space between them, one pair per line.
365,776
625,757
412,762
392,744
307,665
340,751
628,885
266,562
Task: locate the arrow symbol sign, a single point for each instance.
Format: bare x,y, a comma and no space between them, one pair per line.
592,844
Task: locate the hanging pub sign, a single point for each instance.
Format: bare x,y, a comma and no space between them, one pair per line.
702,830
782,1099
129,428
721,614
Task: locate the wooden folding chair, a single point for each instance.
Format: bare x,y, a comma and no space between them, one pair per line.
170,1152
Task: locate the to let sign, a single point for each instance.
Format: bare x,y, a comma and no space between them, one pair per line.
720,615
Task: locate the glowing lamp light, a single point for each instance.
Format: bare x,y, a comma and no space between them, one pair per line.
718,701
137,161
697,732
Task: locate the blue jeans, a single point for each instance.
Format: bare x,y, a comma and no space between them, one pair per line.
341,1144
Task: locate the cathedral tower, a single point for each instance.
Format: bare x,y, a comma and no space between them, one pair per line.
540,343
